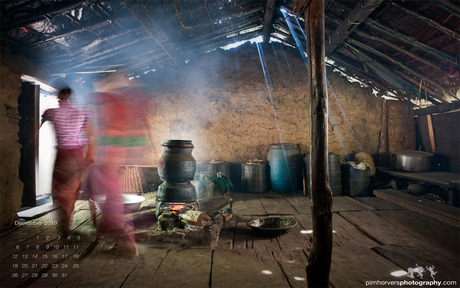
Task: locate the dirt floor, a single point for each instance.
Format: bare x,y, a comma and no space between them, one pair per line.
373,237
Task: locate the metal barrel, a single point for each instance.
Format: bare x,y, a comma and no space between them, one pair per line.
254,177
214,166
355,182
335,175
285,168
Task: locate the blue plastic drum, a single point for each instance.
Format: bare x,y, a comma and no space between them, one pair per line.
285,168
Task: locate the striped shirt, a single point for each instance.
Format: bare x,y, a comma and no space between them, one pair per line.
69,124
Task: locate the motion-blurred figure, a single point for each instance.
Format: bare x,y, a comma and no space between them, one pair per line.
121,135
70,164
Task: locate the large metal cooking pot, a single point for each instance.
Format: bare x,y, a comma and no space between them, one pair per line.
412,161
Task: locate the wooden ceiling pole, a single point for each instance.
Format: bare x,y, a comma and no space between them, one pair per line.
449,7
50,11
359,13
400,49
430,22
319,262
268,20
394,61
139,11
384,72
393,33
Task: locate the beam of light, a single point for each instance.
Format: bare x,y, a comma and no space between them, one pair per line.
267,82
299,46
267,272
294,35
337,133
303,31
306,231
285,59
257,39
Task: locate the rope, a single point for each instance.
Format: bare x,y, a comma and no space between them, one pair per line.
178,17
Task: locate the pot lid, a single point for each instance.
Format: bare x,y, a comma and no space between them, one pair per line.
213,161
283,146
414,153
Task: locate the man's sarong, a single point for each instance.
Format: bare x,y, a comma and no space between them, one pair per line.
68,171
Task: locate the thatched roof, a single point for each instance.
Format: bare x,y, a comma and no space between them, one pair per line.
401,48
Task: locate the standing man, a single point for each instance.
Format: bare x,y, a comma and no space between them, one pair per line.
69,124
122,136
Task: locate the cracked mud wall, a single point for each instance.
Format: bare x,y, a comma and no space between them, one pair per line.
11,187
232,107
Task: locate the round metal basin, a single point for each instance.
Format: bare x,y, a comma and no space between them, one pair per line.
272,226
131,202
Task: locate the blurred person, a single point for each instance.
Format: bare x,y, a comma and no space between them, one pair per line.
121,110
73,156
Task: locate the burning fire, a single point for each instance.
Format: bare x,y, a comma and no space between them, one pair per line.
177,207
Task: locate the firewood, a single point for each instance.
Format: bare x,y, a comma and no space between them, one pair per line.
212,204
194,217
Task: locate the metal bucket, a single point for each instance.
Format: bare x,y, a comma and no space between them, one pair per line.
355,182
254,177
215,166
285,168
335,175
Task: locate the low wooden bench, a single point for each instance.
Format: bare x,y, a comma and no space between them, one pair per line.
447,180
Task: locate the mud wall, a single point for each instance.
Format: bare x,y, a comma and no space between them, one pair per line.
11,187
232,107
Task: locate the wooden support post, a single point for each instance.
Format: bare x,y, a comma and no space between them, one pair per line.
431,133
268,20
384,151
319,263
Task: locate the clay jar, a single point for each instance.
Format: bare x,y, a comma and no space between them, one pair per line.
176,167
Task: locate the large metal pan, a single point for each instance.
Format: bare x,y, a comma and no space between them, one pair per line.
272,226
412,161
131,202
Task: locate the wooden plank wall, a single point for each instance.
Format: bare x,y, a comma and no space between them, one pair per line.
445,130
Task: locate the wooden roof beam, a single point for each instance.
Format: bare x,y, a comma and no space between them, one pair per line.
385,73
396,62
268,20
62,33
422,46
449,7
400,49
429,22
58,8
141,13
374,80
106,53
359,14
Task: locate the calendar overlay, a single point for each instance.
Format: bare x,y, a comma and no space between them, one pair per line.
33,253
